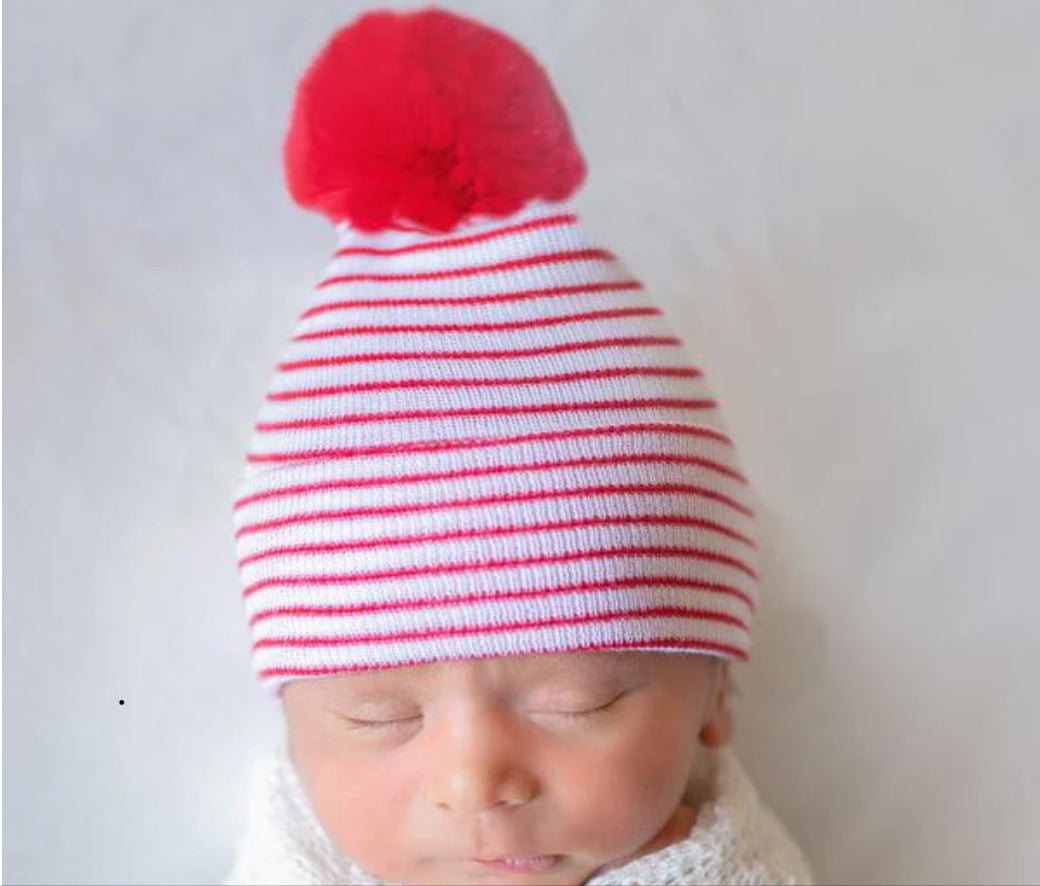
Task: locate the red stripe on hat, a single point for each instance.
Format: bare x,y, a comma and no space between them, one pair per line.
459,534
410,384
707,646
483,442
512,264
538,495
438,301
541,560
370,482
465,630
550,222
480,327
334,421
434,602
593,344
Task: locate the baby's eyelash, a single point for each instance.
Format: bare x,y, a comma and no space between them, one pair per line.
602,708
376,724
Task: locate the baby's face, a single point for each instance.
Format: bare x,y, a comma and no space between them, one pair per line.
416,772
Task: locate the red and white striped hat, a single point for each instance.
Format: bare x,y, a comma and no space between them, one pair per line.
483,438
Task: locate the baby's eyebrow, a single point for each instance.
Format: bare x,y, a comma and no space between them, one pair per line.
371,684
528,670
607,664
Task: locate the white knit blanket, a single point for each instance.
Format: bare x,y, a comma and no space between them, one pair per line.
736,840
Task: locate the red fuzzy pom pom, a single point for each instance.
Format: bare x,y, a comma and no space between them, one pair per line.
425,118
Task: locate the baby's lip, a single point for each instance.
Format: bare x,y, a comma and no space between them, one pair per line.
520,864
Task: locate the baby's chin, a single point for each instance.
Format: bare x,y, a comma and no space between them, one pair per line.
564,870
557,870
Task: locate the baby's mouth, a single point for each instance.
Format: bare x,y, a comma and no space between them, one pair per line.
532,864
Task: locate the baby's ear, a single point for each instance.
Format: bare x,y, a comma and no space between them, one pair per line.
717,727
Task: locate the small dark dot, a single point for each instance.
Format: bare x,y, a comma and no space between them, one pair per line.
120,701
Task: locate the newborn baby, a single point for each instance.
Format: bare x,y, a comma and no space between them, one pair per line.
580,768
496,548
541,768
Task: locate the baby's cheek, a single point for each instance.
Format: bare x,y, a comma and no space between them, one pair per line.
613,813
361,819
630,794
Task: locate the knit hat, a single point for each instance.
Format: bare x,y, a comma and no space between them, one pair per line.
483,438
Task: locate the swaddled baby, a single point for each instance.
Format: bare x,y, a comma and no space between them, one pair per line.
496,548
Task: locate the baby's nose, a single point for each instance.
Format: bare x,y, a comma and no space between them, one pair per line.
478,762
468,785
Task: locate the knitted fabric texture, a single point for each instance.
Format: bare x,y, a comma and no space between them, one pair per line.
736,839
489,444
482,439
